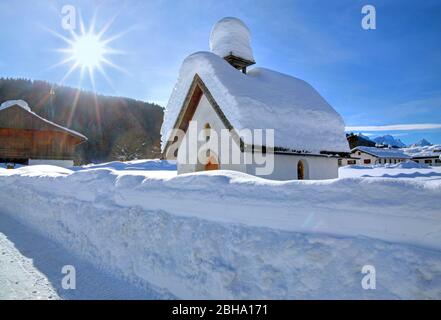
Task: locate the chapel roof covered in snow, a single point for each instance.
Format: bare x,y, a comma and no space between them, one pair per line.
261,99
383,152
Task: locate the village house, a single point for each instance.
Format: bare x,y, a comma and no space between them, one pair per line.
218,91
430,160
26,138
362,155
374,155
429,155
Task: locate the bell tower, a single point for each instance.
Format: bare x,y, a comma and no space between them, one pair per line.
231,39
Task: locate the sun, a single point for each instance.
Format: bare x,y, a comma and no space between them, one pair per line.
88,51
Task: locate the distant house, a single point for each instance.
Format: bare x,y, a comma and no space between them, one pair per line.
26,138
348,161
373,155
426,154
433,160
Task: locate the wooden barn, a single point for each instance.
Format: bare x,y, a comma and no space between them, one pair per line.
26,138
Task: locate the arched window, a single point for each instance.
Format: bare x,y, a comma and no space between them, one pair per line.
300,170
207,130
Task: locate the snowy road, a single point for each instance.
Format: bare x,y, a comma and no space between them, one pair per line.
30,268
19,278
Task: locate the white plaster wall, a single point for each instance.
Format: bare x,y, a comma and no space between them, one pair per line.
59,163
285,167
345,162
390,160
205,114
363,156
435,162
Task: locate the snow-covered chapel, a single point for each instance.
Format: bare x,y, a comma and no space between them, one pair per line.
218,91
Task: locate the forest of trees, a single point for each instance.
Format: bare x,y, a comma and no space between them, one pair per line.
117,128
355,140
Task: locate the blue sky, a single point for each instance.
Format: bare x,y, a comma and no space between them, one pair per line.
388,76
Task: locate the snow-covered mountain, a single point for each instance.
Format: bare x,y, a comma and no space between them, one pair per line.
389,140
421,143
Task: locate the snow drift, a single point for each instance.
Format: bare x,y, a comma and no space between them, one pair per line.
229,235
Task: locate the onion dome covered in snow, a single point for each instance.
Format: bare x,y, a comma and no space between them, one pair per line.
231,39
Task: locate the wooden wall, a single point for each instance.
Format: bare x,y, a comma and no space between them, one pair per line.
34,144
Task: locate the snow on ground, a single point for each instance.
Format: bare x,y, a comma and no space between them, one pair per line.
409,170
230,235
30,268
150,165
19,279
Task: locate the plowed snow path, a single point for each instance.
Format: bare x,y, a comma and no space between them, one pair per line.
30,268
19,279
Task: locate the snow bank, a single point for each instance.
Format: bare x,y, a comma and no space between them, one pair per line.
262,99
231,36
408,165
156,164
229,235
408,170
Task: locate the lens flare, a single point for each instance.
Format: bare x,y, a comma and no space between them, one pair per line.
88,51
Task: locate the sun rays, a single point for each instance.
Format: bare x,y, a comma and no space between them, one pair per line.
88,50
